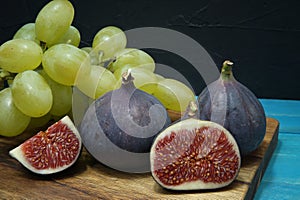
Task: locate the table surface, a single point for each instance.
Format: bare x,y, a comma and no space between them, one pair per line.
281,180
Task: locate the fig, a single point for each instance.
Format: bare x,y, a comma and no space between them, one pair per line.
119,127
193,155
191,111
50,151
232,105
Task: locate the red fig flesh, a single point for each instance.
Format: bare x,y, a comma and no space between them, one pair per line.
194,154
51,151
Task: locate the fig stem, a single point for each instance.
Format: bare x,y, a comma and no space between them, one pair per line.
192,109
226,72
127,77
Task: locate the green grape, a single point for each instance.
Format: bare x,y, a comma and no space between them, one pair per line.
106,80
96,82
18,55
31,94
27,32
62,96
62,61
143,78
109,40
72,36
173,94
159,77
53,21
130,58
37,122
87,49
12,121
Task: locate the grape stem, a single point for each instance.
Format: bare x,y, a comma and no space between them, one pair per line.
106,63
43,46
4,77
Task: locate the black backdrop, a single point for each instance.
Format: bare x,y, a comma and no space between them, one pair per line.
261,37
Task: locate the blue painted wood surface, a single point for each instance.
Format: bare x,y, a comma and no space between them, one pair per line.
281,180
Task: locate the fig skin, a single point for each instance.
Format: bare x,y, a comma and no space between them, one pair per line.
183,160
231,104
118,128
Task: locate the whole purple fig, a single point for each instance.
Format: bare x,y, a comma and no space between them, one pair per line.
232,105
119,127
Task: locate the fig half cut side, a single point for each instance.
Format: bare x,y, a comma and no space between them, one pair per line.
193,155
50,151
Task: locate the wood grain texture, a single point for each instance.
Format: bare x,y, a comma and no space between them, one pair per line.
88,179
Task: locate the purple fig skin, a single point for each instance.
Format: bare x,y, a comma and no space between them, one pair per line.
130,118
232,105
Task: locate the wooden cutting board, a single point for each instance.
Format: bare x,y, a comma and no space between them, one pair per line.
88,179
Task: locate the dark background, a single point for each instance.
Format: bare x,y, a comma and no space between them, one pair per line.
262,38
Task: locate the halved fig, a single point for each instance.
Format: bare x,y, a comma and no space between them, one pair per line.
194,154
52,150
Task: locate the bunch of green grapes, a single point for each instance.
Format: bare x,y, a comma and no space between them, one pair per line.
32,66
43,61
